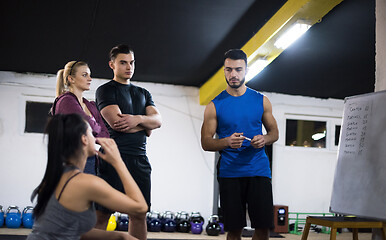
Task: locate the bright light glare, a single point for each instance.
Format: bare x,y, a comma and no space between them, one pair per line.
291,35
256,68
318,136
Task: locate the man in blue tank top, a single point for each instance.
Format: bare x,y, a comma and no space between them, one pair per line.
237,115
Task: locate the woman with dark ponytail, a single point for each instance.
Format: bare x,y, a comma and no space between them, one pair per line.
72,81
66,195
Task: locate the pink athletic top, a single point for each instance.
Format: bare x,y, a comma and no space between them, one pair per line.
68,103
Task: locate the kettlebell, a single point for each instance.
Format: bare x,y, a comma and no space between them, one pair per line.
28,218
177,217
183,224
123,222
148,217
196,228
213,228
168,222
1,216
222,228
196,218
13,218
162,217
153,221
112,224
196,221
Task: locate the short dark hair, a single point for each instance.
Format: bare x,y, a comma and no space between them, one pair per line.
121,48
236,54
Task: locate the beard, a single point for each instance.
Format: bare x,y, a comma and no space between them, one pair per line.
235,85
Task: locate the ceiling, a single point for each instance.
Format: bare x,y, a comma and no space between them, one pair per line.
182,42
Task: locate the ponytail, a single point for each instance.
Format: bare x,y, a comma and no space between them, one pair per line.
64,142
62,83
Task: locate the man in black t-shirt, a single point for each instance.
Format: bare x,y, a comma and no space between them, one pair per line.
130,116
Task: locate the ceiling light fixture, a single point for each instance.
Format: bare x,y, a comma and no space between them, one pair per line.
291,35
255,68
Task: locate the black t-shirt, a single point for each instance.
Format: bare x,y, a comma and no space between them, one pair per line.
132,100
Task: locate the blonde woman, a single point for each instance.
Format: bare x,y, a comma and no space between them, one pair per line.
72,81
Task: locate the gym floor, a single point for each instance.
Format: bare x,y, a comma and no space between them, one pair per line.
163,235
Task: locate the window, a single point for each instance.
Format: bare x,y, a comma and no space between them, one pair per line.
337,134
36,116
306,133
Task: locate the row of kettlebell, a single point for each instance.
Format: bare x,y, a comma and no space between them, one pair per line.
13,218
183,222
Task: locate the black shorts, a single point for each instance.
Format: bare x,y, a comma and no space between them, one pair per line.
236,194
139,168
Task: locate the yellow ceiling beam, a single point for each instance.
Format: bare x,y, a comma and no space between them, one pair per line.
262,43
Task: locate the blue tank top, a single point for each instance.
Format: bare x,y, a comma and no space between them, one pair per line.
241,114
